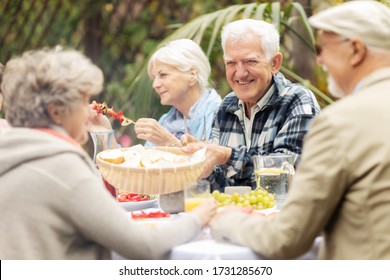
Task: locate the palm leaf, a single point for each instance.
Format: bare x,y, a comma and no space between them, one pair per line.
217,27
275,13
249,10
304,21
260,11
322,98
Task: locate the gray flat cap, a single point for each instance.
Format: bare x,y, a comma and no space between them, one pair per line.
367,20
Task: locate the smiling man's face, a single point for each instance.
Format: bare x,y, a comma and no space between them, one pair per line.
248,72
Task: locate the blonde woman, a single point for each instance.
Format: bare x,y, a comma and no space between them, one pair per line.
180,72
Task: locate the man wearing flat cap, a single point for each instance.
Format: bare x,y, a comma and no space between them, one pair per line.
342,186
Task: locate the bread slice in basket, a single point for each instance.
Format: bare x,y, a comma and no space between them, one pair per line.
113,156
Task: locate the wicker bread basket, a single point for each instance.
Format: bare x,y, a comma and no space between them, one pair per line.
151,180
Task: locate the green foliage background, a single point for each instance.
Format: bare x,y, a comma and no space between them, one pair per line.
120,35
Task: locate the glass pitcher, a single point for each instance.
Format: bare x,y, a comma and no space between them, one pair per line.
102,140
274,174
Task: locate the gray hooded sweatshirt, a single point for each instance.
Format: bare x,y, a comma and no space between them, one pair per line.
53,205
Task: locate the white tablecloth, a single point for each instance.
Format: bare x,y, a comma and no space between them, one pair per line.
204,247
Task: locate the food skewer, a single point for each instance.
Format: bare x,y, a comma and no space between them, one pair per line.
102,108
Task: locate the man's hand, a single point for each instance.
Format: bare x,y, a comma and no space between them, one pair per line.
215,155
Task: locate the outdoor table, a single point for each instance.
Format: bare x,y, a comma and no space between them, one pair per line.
204,247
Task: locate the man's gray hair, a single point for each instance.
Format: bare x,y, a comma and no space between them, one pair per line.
240,29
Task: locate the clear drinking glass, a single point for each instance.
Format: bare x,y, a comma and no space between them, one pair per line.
274,174
195,193
102,140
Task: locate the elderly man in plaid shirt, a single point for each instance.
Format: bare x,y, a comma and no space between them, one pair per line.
264,114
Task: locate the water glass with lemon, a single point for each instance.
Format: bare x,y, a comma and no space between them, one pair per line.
274,173
195,193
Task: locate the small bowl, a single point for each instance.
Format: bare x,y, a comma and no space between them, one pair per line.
172,203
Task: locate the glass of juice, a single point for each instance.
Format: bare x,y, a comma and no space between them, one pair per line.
195,193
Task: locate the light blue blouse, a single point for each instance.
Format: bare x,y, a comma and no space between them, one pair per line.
205,107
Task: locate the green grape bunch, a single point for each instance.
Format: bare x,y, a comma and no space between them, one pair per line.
258,199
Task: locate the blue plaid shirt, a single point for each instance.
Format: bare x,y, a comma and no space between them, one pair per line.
279,127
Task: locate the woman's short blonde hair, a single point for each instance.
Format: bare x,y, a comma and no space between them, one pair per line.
38,78
186,56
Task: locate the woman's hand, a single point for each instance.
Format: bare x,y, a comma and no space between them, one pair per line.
206,211
150,130
185,139
97,121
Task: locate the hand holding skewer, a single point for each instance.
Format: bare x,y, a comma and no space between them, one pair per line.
102,108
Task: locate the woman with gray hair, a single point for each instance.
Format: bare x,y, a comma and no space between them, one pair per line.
180,72
52,198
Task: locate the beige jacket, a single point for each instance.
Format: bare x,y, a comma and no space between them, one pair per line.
341,189
53,205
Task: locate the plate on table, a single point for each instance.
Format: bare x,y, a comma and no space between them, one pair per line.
133,202
139,205
151,216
